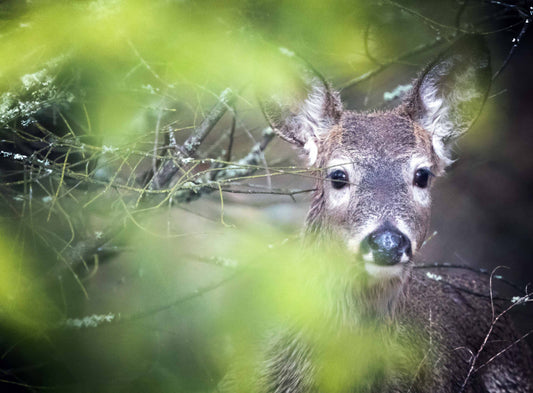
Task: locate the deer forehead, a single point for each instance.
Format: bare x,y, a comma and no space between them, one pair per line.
380,141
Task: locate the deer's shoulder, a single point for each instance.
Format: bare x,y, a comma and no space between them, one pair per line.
453,313
459,302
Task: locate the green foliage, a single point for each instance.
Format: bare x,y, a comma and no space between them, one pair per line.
170,330
25,304
105,285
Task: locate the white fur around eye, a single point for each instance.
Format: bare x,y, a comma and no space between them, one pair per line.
420,195
339,198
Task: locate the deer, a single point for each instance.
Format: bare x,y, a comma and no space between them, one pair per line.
373,198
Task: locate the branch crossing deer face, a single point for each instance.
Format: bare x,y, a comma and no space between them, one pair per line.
376,169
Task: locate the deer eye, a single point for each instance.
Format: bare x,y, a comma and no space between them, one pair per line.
422,177
339,179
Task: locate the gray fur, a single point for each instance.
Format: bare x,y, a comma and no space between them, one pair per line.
380,151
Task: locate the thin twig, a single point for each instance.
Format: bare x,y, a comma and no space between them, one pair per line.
116,319
489,332
514,7
367,49
419,49
430,22
466,267
86,249
289,193
155,161
516,40
518,340
460,14
146,65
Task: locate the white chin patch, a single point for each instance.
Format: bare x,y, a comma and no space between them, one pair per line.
384,272
368,257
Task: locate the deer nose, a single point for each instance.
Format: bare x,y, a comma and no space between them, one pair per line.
387,245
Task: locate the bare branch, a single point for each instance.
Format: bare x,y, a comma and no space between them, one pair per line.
242,168
192,143
231,136
168,170
84,250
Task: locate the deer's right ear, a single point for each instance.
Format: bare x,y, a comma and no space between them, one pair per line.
306,123
448,96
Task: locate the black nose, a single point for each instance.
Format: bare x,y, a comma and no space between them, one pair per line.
387,245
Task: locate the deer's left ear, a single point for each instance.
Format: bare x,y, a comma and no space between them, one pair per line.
448,96
305,123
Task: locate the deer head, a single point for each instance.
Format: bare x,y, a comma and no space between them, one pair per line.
376,169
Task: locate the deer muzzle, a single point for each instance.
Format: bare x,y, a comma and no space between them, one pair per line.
388,246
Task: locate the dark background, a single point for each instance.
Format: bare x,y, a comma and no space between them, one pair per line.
483,208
